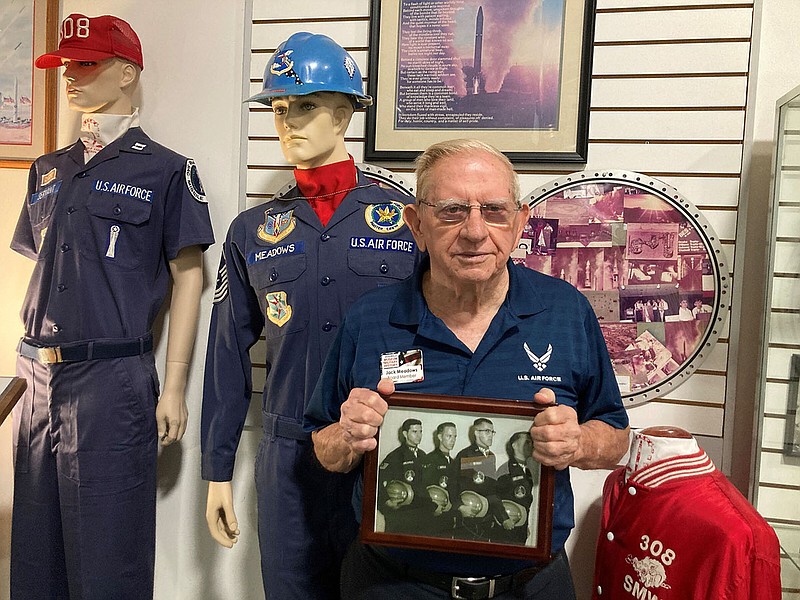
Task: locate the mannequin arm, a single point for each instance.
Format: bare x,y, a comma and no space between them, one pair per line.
187,285
221,519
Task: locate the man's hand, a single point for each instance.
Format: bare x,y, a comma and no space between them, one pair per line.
555,432
340,446
362,416
560,441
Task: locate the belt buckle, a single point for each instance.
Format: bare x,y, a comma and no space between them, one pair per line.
454,593
50,355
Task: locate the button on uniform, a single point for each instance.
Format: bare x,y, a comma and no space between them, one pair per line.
610,536
632,491
325,280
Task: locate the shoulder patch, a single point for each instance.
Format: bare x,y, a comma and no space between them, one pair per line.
193,183
138,146
386,217
49,176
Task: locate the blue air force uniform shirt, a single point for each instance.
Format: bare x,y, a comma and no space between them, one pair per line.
283,272
545,334
102,235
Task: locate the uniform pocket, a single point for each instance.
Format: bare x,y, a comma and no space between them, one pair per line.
118,230
282,293
368,269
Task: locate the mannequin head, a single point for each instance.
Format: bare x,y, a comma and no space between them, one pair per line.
102,57
104,86
313,86
311,128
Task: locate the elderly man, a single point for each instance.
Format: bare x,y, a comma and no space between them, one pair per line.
474,318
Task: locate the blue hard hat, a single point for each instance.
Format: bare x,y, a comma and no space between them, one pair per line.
307,63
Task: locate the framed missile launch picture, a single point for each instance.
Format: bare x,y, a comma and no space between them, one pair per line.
513,74
28,28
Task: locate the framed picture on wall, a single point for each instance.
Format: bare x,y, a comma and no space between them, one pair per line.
27,94
455,474
513,74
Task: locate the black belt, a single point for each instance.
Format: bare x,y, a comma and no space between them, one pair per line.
282,427
79,351
467,588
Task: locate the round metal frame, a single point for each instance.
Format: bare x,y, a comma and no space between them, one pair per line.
662,250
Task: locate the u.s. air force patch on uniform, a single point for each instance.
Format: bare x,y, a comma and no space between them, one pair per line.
278,309
386,217
193,183
276,227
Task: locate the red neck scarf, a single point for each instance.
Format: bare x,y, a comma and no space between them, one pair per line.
325,187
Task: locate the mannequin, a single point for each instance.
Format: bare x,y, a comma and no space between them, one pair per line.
101,219
673,527
291,267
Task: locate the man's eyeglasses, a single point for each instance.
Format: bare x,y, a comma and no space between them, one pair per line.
494,212
492,431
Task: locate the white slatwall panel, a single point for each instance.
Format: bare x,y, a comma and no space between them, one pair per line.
668,95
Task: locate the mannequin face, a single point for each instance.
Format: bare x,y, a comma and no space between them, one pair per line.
311,128
99,87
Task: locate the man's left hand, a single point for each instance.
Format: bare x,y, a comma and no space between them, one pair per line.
555,432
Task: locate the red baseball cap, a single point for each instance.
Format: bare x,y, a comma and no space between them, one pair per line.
92,39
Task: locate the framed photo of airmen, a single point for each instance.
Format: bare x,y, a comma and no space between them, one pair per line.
513,74
456,474
649,263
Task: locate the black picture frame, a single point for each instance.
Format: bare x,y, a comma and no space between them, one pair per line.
533,112
425,508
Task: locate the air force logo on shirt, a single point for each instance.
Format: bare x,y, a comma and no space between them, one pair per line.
276,227
539,362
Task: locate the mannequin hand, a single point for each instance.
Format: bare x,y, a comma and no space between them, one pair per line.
171,417
555,432
220,518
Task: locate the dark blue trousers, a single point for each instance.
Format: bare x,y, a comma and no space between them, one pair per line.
83,526
305,521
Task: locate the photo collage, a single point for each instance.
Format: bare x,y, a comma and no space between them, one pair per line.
644,266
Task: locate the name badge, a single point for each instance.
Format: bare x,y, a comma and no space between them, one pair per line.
403,367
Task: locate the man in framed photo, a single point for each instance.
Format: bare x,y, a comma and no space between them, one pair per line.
475,319
402,498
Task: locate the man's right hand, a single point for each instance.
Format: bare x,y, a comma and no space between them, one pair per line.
221,519
362,415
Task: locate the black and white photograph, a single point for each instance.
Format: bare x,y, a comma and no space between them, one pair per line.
465,478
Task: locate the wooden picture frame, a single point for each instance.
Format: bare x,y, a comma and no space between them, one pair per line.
28,94
528,96
473,504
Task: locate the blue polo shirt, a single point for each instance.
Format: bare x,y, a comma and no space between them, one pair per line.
540,312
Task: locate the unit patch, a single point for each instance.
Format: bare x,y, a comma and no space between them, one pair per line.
193,183
284,250
49,176
138,146
386,217
403,367
278,309
382,243
276,227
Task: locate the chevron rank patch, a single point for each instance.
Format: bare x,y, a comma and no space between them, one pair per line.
221,289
